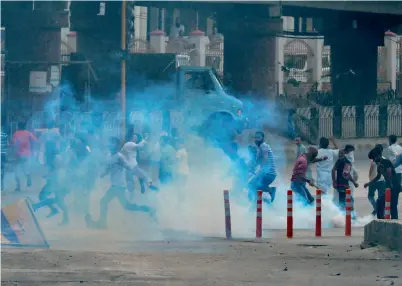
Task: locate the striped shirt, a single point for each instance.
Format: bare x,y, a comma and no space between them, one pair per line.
268,166
4,143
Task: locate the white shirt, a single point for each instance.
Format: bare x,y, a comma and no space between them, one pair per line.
182,158
117,171
129,152
326,165
394,151
175,31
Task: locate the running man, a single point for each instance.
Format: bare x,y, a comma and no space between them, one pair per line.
130,152
265,170
54,185
23,142
302,149
386,169
342,174
49,139
378,186
299,178
117,164
168,161
324,168
395,150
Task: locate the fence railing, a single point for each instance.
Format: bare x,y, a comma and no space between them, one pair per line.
367,121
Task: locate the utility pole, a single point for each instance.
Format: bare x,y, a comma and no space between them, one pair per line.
123,71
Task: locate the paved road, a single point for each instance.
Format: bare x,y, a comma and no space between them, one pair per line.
301,261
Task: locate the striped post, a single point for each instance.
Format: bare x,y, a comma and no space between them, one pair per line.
258,230
289,224
318,214
228,223
387,212
348,216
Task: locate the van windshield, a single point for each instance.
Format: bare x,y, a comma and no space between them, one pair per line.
218,79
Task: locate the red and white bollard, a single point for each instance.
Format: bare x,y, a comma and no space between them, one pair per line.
348,216
289,225
258,231
318,214
228,223
387,210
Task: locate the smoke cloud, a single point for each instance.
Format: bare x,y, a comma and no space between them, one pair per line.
194,210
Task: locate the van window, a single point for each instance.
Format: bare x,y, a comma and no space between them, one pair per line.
198,80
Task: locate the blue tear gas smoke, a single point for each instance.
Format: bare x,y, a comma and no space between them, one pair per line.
194,208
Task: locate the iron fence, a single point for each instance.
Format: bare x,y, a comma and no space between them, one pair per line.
369,121
214,55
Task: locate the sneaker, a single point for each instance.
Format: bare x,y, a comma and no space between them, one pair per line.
153,187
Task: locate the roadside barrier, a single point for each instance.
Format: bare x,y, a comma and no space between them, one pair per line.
289,222
228,223
387,210
289,208
258,231
318,213
348,216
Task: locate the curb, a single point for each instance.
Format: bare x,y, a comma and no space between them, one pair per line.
387,233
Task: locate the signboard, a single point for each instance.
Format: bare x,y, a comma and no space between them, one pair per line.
38,81
19,227
54,75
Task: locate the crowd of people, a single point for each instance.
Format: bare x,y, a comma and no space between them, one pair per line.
74,163
384,173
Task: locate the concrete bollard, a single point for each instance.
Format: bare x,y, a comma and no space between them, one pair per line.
387,210
228,223
289,224
258,231
318,214
348,216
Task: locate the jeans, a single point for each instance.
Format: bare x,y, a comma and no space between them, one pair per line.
261,182
142,177
119,193
23,167
342,199
394,205
303,194
378,186
46,200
